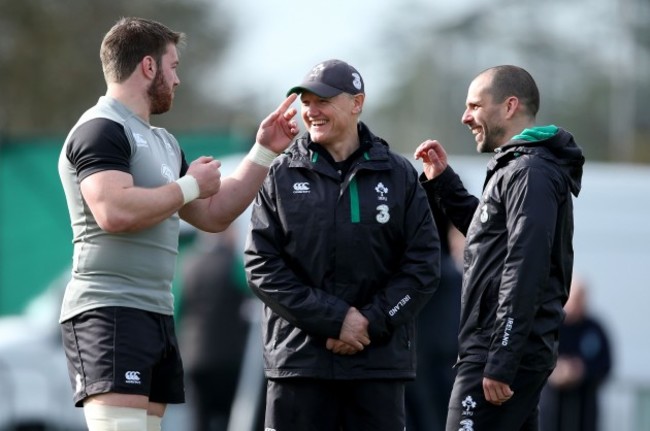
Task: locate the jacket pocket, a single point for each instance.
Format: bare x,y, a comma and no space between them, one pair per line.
488,304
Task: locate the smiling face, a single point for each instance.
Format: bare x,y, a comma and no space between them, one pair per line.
485,117
161,89
331,121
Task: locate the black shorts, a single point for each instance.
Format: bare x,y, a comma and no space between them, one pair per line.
468,409
334,405
126,351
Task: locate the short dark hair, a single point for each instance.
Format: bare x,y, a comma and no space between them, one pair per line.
509,81
129,41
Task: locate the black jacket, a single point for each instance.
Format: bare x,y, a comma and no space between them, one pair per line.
518,257
320,243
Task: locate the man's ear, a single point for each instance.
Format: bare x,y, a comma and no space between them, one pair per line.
358,103
511,106
148,66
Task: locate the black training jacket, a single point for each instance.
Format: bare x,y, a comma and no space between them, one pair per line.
320,243
518,257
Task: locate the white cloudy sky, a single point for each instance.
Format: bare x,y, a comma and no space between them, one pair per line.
277,42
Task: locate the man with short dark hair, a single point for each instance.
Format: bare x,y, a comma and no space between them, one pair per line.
344,253
518,250
126,184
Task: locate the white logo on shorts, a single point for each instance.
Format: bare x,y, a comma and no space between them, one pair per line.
132,377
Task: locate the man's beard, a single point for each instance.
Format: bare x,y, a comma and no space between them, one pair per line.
492,139
160,95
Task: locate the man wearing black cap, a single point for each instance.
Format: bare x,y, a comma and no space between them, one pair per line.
343,251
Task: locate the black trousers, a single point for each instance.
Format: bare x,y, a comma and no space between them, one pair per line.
468,409
334,405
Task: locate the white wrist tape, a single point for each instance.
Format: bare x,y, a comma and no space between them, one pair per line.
190,188
261,156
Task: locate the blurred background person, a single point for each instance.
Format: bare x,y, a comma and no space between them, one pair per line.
427,397
213,326
570,399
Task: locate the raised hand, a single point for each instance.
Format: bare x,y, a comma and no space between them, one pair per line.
434,158
278,129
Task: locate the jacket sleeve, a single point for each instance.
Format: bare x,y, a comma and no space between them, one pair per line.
531,197
448,193
418,274
271,278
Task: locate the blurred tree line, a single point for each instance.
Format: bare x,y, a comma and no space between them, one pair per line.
50,69
591,59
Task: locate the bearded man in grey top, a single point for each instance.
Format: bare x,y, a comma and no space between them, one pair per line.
127,184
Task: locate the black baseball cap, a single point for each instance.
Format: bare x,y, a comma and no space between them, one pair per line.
331,78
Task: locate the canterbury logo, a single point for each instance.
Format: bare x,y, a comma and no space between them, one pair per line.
301,187
132,377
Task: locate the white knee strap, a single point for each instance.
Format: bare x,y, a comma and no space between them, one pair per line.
154,423
100,417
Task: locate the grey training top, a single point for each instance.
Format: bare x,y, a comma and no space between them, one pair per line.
127,269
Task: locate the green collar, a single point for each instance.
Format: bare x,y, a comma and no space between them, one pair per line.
538,133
